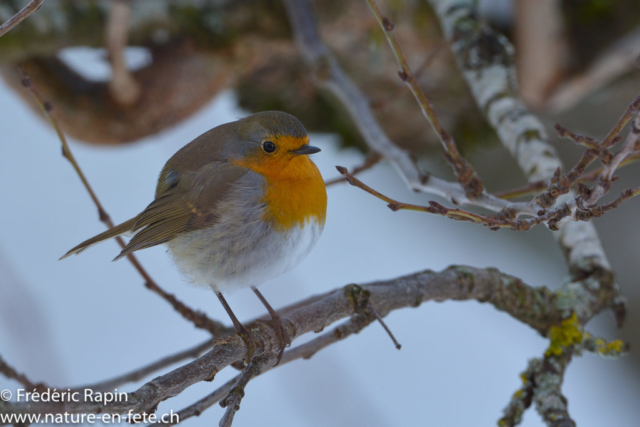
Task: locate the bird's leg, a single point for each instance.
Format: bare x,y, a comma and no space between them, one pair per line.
240,328
283,337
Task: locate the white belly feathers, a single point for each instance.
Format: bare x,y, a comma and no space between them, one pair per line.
240,249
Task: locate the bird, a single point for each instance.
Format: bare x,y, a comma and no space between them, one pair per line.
239,205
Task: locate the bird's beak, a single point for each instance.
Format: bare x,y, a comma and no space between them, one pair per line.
306,149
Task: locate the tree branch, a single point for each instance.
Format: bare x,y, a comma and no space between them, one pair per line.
371,160
486,60
12,374
537,307
30,8
329,75
147,370
235,395
303,351
463,170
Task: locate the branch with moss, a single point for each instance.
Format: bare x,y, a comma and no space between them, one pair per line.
487,62
539,308
542,380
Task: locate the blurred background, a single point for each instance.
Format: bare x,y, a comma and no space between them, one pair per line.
132,82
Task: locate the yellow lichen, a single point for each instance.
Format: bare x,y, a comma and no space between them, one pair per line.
609,348
568,333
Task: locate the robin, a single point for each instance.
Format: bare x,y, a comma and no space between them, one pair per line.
241,204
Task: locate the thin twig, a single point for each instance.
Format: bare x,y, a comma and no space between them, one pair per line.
610,165
303,351
12,374
598,211
438,209
145,371
371,160
537,186
235,395
531,188
384,325
465,174
30,8
562,183
328,74
199,319
382,103
595,174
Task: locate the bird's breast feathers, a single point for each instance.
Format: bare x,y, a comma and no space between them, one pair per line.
257,235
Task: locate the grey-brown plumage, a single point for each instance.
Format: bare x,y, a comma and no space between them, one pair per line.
188,190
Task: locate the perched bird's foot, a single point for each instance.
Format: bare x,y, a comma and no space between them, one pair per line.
244,333
283,336
276,323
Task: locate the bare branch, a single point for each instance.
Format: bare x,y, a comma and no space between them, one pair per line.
371,160
521,399
552,217
303,351
235,395
149,369
12,374
542,383
438,209
464,172
610,165
329,75
537,307
531,188
30,8
382,103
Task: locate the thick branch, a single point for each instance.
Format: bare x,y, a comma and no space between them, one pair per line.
303,351
537,307
486,60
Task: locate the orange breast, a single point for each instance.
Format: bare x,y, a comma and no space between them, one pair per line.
294,201
294,191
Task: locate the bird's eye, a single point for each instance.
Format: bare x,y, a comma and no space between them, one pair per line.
268,146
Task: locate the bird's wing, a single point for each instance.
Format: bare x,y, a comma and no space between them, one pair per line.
188,202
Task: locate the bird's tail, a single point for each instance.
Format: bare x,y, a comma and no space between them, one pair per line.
112,232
